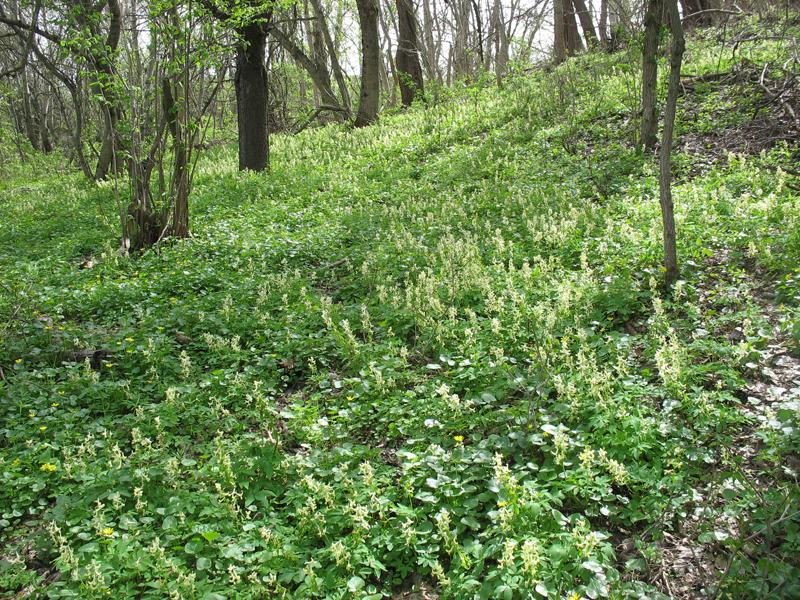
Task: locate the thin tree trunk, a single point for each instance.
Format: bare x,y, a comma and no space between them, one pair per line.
370,63
31,131
431,56
317,72
665,158
77,135
180,172
388,67
649,125
338,74
478,30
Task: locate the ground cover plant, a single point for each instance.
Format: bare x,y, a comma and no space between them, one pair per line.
432,357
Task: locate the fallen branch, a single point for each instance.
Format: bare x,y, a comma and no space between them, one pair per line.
317,112
335,263
723,11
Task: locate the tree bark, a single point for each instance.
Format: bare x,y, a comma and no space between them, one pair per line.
370,63
407,60
649,124
111,104
338,74
665,159
559,43
585,18
571,35
251,99
478,31
604,22
318,73
431,52
31,131
180,171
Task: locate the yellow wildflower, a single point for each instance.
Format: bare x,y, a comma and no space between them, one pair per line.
48,467
107,531
458,438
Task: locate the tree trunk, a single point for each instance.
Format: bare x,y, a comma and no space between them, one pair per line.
389,73
77,133
559,43
251,99
29,118
649,125
431,55
571,35
318,72
180,172
478,31
338,74
587,26
370,63
111,104
407,60
604,22
665,158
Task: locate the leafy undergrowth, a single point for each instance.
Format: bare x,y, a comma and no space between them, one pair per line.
430,352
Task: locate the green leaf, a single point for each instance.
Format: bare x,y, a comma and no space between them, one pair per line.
210,535
355,583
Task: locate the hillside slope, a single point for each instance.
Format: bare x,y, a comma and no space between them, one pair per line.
427,355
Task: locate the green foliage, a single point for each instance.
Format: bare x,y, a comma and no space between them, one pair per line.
433,347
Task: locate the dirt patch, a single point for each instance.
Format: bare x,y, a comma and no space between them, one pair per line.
689,568
767,98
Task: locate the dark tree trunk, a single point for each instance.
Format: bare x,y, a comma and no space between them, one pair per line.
652,24
252,98
407,60
665,158
370,63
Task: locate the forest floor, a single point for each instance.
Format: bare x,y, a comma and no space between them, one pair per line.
426,359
